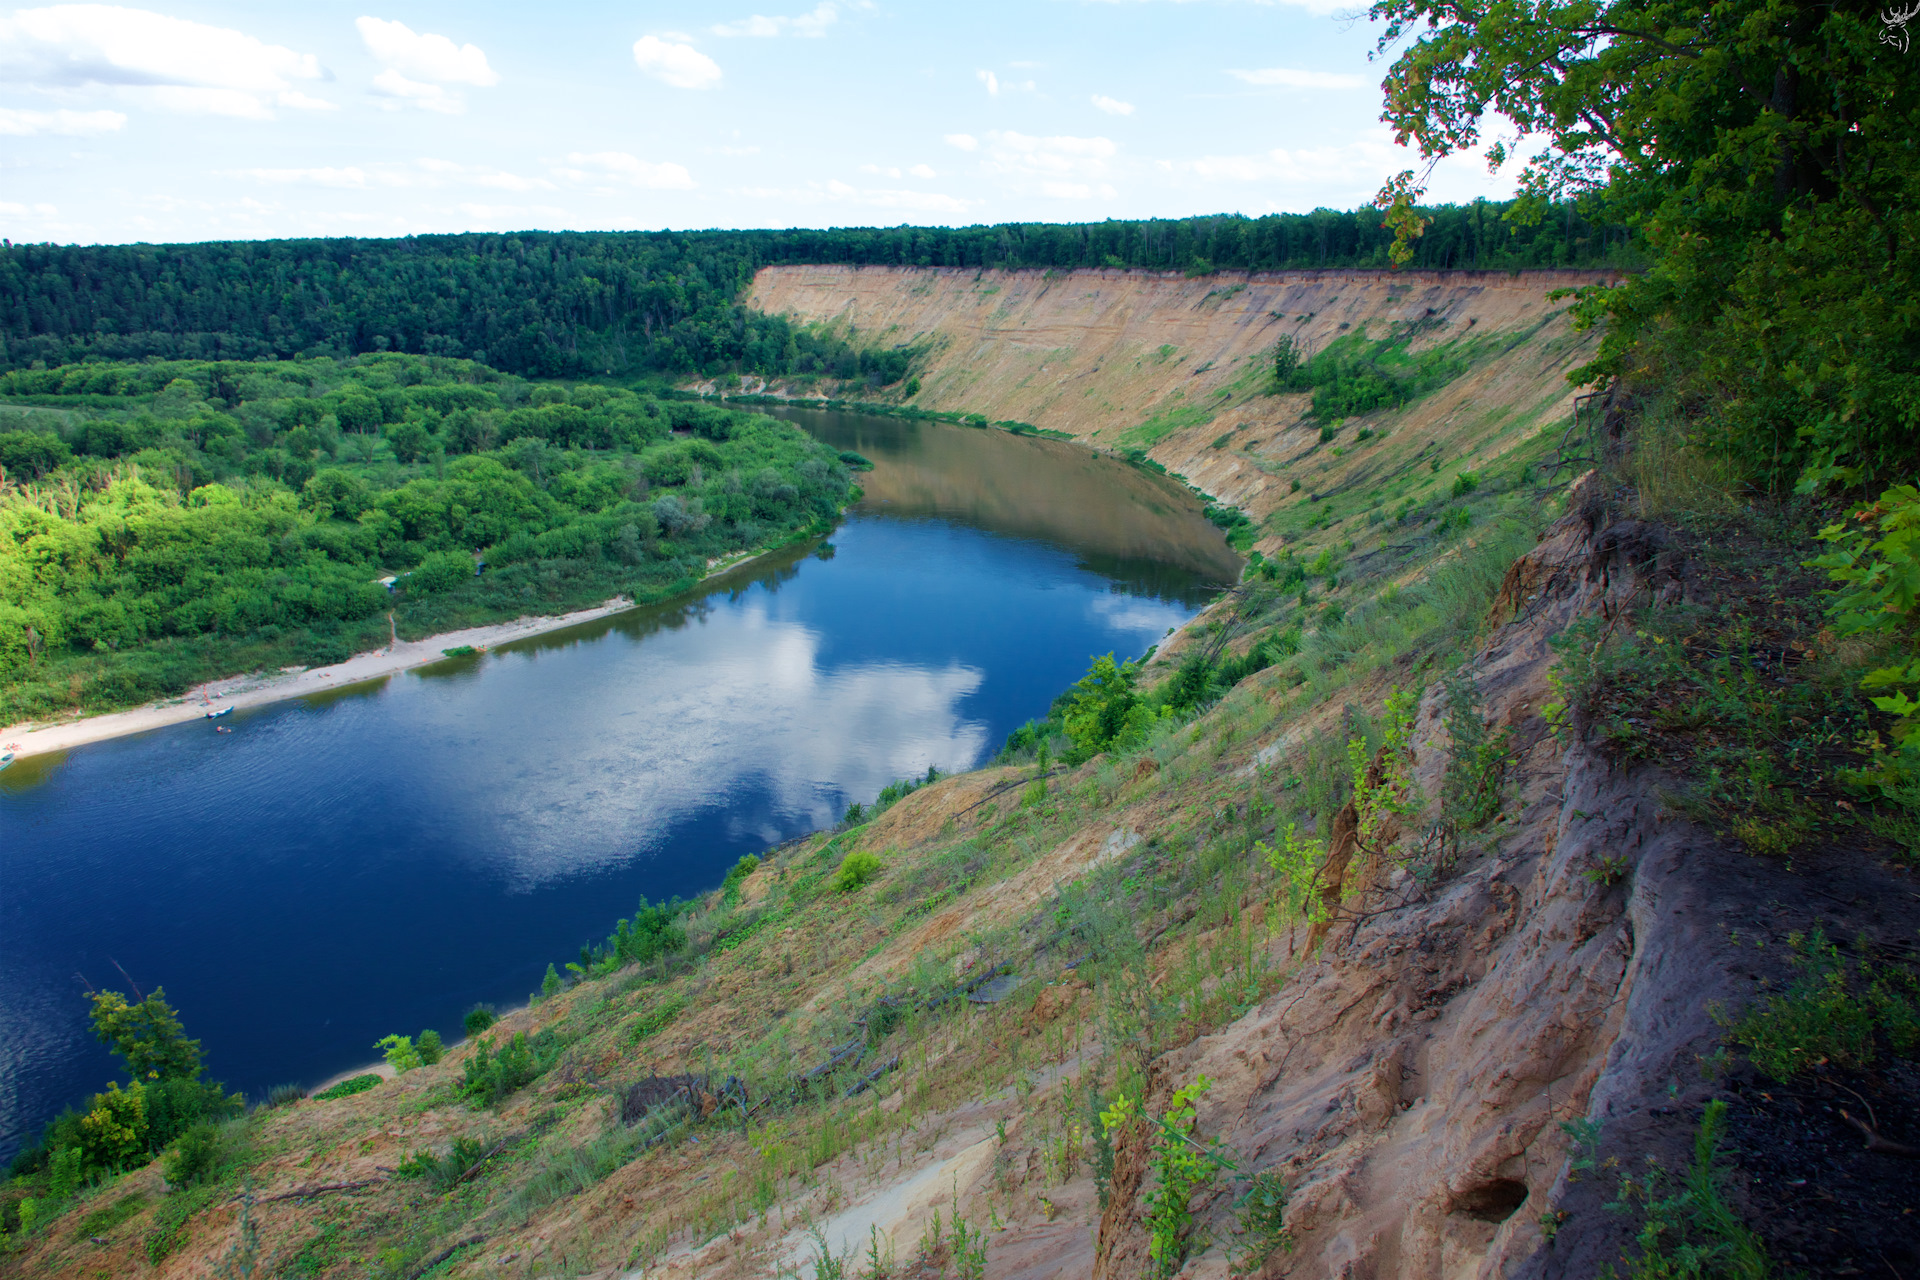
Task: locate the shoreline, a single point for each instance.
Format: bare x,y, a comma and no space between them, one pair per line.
258,689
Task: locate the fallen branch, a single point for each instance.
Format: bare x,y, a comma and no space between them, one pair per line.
443,1255
319,1189
1876,1143
861,1085
481,1163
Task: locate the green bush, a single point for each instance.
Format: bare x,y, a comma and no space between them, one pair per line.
348,1087
400,1053
429,1047
856,869
478,1019
491,1077
195,1157
444,1172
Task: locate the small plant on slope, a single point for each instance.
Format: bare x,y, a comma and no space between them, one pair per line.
1181,1167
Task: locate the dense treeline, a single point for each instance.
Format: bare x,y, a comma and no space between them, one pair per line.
185,520
550,304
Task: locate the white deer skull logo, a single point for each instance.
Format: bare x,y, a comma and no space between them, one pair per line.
1895,32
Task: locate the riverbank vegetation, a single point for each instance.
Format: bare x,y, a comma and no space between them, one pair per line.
166,523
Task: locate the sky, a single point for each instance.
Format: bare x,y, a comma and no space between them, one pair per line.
221,120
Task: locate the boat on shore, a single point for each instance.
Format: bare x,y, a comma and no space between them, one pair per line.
6,756
216,712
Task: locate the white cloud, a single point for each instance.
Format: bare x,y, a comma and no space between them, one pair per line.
1023,153
152,58
922,171
301,102
814,23
1112,106
679,65
427,56
964,141
420,65
1290,78
990,80
619,167
76,124
398,91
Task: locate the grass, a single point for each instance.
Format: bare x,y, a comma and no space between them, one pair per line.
1176,415
106,1218
1839,1012
1687,1229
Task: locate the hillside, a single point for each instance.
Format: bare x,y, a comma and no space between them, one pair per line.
1434,882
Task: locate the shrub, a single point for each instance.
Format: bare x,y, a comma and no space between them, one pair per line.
399,1051
491,1077
1182,1167
441,571
856,870
444,1172
114,1129
194,1158
430,1047
478,1019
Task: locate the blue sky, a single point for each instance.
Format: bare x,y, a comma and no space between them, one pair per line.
212,120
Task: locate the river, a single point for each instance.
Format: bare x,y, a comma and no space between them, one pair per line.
382,858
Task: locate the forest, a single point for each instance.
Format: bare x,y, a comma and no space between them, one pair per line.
165,523
574,304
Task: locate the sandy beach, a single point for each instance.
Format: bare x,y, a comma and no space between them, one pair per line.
257,688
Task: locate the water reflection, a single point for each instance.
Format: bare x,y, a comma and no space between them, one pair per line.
1144,531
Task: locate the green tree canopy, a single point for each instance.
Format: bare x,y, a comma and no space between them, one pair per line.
1764,150
147,1035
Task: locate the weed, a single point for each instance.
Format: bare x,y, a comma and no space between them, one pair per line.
1476,759
1181,1167
1263,1216
1715,693
1832,1012
1688,1231
1607,871
656,1019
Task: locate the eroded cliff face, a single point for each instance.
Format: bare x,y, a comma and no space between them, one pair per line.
1131,359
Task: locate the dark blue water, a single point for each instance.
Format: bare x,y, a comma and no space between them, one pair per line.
382,859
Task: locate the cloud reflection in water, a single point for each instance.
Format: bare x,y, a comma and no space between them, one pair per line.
737,696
